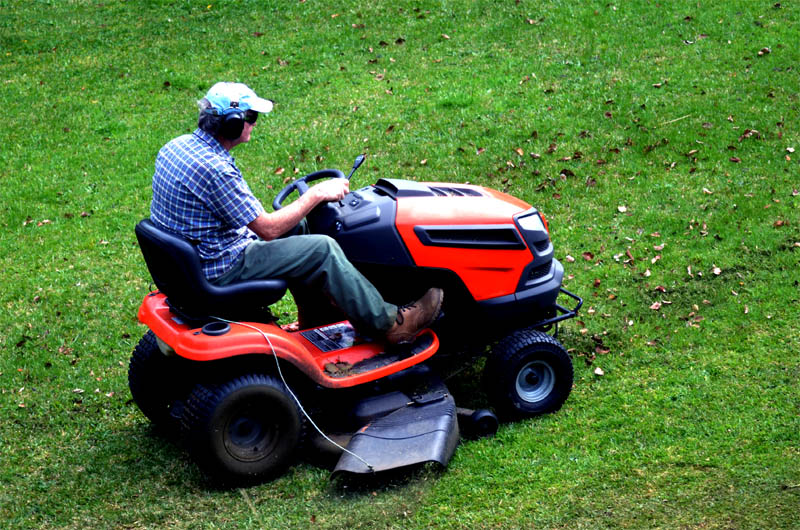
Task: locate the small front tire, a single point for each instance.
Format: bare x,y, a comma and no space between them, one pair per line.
528,374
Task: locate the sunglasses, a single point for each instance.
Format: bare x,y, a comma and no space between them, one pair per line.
250,116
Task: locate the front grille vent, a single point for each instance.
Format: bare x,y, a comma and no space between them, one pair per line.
542,245
539,272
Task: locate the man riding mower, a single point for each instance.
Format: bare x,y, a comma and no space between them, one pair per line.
246,394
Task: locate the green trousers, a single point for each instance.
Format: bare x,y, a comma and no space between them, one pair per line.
325,285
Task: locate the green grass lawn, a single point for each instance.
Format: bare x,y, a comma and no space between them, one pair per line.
657,137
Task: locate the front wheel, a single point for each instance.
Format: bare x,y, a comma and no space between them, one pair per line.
528,374
244,431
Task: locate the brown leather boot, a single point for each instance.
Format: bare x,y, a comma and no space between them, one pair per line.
413,318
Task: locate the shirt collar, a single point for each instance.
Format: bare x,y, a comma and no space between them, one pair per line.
212,142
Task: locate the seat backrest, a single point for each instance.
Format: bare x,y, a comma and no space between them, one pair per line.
172,261
175,267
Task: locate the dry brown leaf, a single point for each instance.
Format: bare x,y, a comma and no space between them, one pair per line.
749,133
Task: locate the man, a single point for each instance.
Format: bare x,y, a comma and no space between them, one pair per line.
200,194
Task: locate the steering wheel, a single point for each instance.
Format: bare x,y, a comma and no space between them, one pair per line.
301,185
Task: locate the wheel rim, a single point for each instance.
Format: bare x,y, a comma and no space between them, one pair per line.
535,381
250,436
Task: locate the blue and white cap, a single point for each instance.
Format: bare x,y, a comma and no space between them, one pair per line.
227,97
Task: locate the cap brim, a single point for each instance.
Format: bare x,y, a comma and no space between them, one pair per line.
261,105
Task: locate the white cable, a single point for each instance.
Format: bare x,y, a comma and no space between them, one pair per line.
300,405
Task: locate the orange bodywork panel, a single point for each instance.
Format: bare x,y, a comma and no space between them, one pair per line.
486,273
193,344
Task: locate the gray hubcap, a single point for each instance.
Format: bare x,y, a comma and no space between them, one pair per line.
535,381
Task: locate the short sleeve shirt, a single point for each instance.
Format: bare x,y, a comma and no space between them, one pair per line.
199,193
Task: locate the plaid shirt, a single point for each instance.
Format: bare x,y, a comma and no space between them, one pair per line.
199,193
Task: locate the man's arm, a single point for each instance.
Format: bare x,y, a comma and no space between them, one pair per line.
269,226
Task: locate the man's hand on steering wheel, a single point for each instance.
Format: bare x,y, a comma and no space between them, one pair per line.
331,190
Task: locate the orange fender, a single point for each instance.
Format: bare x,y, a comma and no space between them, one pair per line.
248,338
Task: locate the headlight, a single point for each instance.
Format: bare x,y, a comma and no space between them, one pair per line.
532,223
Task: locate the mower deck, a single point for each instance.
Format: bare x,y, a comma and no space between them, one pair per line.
413,421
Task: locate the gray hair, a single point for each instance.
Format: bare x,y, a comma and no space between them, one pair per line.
209,123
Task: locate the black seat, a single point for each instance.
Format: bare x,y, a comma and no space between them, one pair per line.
175,266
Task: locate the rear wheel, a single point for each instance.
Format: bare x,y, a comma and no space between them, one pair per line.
157,382
243,431
528,374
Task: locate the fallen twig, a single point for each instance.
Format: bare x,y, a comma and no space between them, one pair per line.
676,119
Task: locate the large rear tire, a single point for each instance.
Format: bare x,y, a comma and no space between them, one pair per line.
157,382
528,374
244,431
